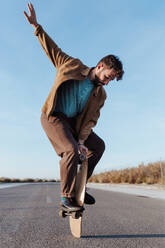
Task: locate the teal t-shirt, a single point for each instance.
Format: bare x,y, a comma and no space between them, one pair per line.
72,97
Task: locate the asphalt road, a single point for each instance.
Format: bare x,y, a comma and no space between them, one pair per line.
29,219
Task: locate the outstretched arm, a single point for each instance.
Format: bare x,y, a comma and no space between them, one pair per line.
55,54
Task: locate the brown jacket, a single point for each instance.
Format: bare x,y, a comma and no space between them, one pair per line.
69,68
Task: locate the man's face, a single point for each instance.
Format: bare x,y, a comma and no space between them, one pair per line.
104,75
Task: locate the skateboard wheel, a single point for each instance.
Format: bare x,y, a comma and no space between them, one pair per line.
62,214
75,215
81,213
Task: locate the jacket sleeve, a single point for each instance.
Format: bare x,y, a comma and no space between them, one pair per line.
86,128
55,54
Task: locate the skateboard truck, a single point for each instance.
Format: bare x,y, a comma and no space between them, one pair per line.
64,212
82,157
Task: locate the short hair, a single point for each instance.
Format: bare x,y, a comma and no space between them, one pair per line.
112,61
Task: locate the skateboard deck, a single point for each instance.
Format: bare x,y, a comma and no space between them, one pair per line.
76,221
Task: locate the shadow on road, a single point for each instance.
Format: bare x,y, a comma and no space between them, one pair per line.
127,236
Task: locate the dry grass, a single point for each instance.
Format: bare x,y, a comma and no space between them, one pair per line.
25,180
149,174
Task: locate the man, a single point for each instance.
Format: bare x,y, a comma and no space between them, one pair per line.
72,109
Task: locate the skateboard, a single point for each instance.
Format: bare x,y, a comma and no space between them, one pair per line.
75,217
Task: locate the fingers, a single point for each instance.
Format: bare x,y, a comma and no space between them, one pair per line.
86,151
26,15
83,150
29,8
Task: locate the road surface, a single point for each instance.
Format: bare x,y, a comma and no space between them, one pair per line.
29,219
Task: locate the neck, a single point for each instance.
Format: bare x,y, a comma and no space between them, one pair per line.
92,74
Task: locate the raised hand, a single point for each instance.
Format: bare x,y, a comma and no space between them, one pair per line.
32,15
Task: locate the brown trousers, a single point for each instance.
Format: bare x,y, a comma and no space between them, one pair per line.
61,133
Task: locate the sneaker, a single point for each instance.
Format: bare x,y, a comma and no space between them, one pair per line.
69,204
89,199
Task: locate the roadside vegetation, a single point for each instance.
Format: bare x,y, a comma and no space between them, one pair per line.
152,173
25,180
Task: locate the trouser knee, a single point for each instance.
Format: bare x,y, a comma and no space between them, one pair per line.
101,149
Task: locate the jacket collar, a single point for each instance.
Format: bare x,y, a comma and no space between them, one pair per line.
86,71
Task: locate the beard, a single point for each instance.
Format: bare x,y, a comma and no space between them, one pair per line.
97,81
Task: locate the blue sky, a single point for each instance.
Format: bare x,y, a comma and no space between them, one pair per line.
132,122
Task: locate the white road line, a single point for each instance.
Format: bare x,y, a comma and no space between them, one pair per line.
129,189
11,185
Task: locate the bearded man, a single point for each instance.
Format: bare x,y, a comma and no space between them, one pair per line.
72,109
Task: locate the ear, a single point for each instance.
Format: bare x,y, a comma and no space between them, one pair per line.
100,65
